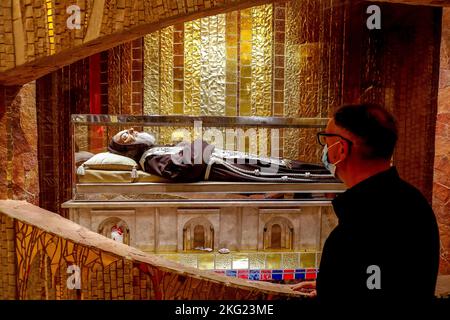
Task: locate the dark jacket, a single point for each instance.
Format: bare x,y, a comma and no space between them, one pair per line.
383,222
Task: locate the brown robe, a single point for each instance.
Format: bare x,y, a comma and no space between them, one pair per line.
168,163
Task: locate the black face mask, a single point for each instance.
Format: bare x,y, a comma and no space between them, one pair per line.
133,151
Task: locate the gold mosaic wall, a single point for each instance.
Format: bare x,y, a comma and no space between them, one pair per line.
268,60
221,66
192,43
217,65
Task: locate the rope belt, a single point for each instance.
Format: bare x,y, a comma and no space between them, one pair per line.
262,176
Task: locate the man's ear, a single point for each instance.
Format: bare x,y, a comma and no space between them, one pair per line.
344,149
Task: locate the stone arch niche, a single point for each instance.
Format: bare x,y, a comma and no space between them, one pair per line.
109,226
198,232
278,234
275,232
199,236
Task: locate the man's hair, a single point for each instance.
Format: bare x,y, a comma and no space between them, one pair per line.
373,125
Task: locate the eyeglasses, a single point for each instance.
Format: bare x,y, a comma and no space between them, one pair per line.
322,135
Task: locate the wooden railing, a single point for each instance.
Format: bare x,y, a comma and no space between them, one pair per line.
45,256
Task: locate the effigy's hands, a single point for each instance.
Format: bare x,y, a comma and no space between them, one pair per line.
307,287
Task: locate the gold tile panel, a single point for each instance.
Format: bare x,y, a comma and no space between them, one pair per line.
114,80
273,261
166,71
261,63
292,77
292,84
192,66
245,52
205,261
166,76
151,76
82,137
290,260
231,50
257,261
213,64
291,143
224,261
189,260
308,260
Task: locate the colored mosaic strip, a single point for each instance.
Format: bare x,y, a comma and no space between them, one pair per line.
274,274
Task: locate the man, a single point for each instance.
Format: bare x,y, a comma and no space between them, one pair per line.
386,244
200,161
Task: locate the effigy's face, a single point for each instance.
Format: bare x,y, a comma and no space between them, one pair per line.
127,136
131,136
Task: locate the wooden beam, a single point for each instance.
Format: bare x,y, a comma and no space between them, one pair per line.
41,66
26,72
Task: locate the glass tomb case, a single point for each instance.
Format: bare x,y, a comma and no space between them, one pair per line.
198,158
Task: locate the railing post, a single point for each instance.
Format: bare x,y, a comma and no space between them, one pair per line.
8,276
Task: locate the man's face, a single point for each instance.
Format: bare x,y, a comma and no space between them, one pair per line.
131,136
338,142
127,136
333,142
